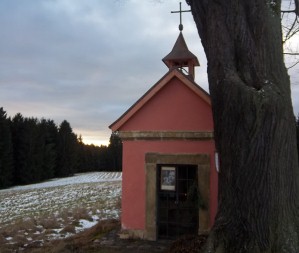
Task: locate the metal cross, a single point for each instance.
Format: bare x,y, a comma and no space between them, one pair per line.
180,11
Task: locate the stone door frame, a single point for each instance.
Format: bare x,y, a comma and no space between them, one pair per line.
203,165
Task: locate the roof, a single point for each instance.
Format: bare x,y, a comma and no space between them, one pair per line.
173,73
180,54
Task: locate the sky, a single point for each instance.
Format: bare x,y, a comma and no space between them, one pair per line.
88,61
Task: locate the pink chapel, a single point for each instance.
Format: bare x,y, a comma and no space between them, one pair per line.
170,181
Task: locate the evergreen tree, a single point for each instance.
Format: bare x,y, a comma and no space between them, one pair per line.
6,155
28,143
115,152
105,161
33,160
48,132
66,151
19,147
81,155
40,150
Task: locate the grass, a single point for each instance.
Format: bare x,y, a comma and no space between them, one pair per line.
93,241
50,220
33,218
80,243
35,232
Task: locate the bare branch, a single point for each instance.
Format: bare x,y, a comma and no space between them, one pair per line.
291,30
295,10
293,65
290,24
288,11
291,53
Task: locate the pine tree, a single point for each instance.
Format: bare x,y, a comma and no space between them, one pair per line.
115,152
81,155
28,146
32,171
6,155
19,147
67,151
48,134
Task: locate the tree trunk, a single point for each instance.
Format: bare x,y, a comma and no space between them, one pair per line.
255,129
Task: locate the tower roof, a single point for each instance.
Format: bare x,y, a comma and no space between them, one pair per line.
180,56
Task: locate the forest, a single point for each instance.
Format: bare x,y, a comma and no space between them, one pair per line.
34,150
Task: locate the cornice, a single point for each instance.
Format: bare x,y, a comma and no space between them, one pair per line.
166,135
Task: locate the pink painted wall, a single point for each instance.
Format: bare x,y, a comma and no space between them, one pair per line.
175,107
133,191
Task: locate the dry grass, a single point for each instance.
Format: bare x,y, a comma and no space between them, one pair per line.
80,243
82,213
30,229
49,223
68,229
31,241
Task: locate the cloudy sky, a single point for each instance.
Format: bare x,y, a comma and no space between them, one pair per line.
88,61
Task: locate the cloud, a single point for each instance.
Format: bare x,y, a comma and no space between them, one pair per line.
86,61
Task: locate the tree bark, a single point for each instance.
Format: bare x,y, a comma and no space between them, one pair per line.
255,130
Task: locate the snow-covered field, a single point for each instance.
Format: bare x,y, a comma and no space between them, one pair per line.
58,208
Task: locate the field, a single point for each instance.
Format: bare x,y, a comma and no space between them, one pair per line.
33,215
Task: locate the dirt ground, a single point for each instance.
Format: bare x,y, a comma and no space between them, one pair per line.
112,242
102,238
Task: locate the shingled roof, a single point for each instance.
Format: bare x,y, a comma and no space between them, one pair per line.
180,54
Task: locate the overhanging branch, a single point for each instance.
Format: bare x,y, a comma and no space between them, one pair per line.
296,10
293,65
291,53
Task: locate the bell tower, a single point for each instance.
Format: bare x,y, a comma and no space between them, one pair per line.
180,56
